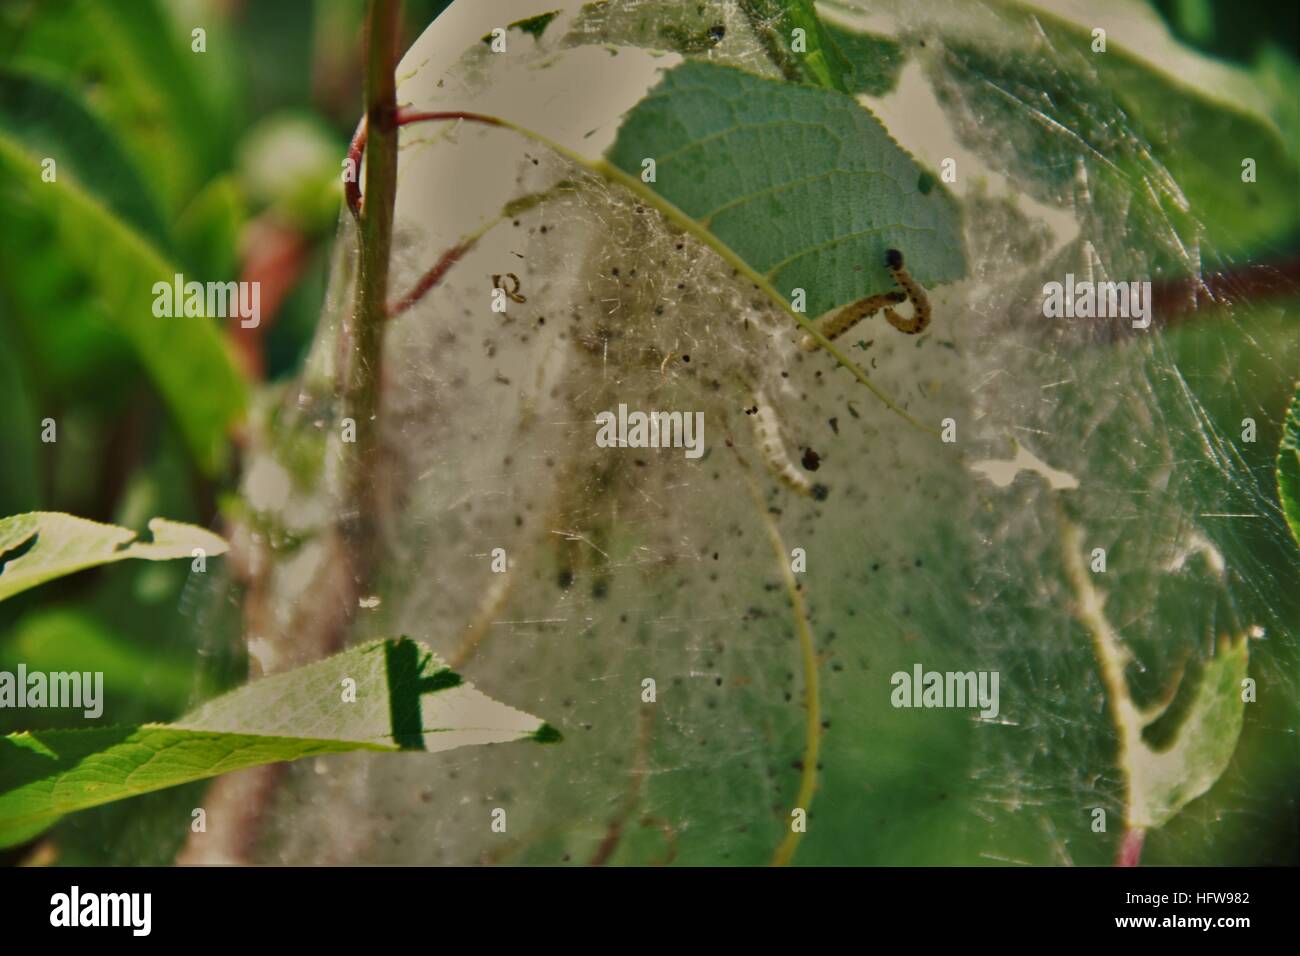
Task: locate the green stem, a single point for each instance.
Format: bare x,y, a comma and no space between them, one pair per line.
362,398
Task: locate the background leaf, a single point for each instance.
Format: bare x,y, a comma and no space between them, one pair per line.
159,682
19,431
185,356
135,58
1148,132
820,62
50,121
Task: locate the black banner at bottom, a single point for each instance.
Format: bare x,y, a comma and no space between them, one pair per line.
215,905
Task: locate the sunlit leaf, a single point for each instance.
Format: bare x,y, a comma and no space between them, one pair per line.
42,545
405,699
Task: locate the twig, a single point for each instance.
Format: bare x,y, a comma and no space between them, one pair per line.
1130,848
430,278
362,391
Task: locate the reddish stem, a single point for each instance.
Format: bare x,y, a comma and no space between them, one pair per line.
1130,848
430,278
357,148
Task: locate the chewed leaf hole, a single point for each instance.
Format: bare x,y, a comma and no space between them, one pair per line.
17,551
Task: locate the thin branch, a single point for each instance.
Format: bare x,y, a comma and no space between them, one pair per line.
429,279
1130,848
362,390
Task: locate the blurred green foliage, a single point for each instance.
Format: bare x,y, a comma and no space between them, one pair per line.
224,165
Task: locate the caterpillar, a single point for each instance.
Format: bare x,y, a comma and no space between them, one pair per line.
915,294
767,430
836,325
833,326
513,294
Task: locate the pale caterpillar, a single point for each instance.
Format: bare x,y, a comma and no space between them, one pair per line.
767,429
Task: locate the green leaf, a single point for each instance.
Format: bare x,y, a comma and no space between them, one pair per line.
874,61
189,362
51,121
737,153
1174,750
819,60
166,98
83,351
83,355
406,699
207,232
133,59
42,545
1288,467
1164,780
